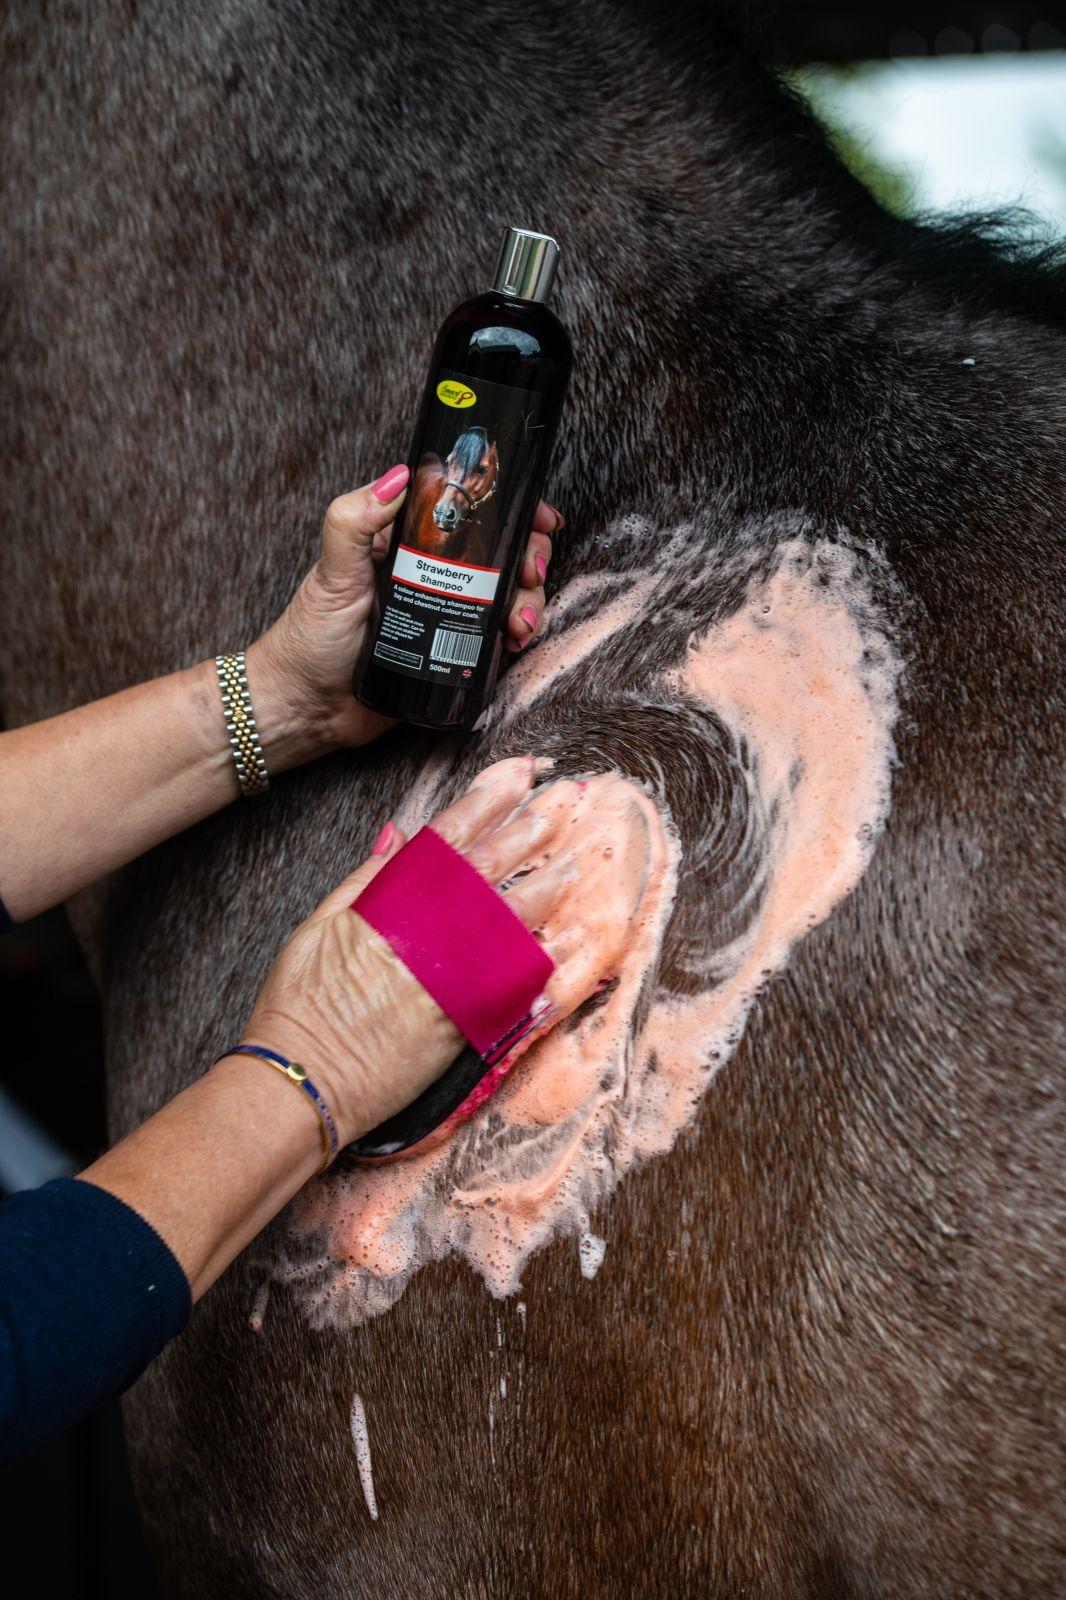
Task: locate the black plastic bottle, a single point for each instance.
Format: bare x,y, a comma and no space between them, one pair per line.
478,460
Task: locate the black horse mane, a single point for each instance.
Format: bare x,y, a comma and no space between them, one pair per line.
467,450
1003,259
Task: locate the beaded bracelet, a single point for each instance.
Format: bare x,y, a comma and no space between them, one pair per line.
297,1075
240,724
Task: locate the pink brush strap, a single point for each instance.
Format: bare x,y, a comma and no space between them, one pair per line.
458,936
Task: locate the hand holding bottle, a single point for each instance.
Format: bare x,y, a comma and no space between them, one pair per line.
300,671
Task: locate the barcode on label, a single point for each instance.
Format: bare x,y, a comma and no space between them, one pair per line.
457,649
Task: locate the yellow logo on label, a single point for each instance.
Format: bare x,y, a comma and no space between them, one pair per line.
455,394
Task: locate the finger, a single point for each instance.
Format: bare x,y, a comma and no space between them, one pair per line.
524,619
390,840
546,519
534,570
353,522
501,852
519,839
491,797
534,896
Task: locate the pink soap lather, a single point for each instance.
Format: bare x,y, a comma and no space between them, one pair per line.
458,937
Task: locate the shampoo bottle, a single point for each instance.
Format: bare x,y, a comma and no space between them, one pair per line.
480,453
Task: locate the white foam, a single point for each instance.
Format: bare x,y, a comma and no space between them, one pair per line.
361,1441
591,1252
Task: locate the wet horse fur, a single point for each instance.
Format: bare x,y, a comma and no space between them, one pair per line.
821,1358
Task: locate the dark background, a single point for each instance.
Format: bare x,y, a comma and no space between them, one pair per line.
68,1522
799,31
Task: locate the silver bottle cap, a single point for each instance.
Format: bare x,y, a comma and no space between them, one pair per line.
526,264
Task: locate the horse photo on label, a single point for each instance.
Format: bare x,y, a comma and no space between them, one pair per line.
450,514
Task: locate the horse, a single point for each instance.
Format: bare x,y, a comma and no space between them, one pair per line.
449,514
745,1283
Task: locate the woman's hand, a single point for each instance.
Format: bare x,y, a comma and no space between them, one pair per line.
300,671
339,1001
164,744
212,1167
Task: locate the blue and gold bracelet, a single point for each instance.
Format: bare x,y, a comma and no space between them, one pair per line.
297,1075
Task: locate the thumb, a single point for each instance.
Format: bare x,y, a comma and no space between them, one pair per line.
352,523
389,843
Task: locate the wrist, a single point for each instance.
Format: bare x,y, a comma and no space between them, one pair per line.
312,1077
268,1100
292,723
211,1168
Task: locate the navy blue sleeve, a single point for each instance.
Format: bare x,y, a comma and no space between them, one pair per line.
89,1294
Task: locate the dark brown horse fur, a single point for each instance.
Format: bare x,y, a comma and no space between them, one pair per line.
822,1357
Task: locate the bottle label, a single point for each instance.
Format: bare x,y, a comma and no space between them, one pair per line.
439,614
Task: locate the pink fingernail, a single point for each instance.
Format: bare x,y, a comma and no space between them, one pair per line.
559,518
387,834
529,616
542,567
390,483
